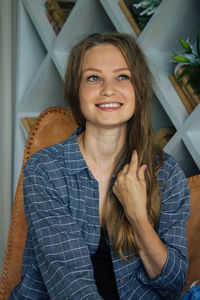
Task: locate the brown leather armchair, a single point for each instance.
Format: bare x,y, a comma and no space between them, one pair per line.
52,126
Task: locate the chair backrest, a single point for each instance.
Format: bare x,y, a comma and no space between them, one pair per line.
52,126
193,228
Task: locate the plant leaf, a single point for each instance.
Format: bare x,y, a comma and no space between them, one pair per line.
180,58
191,57
178,65
185,71
186,45
194,78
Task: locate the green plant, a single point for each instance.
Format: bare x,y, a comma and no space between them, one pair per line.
143,10
191,60
147,7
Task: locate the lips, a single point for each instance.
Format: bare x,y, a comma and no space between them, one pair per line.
109,105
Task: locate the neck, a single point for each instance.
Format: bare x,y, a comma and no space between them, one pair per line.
102,147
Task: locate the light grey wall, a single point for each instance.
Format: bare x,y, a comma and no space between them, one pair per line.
7,67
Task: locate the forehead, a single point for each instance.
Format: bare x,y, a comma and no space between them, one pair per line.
103,53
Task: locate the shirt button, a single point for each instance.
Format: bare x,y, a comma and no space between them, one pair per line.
121,279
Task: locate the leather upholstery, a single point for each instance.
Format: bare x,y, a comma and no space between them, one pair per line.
54,125
193,228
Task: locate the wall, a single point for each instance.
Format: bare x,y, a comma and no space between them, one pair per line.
8,10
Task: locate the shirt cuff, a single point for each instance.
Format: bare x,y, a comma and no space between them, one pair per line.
171,278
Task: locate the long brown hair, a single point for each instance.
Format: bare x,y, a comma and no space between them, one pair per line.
139,131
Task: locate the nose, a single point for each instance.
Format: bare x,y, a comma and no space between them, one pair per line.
107,88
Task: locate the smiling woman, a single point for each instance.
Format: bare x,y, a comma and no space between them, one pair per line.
106,87
106,209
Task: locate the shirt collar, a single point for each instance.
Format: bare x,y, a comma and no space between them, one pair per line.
74,160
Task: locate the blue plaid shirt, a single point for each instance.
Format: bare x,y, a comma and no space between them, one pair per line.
61,202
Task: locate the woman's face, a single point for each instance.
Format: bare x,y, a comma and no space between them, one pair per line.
106,93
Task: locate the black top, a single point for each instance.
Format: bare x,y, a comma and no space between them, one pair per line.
103,270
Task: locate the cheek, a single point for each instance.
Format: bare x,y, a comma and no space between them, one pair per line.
129,94
84,100
87,94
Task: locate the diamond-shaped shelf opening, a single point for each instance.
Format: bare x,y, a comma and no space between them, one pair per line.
37,12
159,115
47,90
60,60
87,17
30,54
163,127
58,13
159,63
155,36
194,143
183,157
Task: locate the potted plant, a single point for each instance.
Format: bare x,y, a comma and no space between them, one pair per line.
144,10
187,69
138,12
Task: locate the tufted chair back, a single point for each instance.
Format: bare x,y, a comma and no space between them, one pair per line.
193,228
52,126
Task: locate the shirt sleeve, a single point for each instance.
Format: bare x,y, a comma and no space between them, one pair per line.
173,233
61,252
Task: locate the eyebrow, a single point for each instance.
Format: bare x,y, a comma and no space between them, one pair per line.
99,71
92,69
121,69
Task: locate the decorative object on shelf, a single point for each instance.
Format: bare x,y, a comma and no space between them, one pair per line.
148,7
186,102
139,12
187,87
187,73
57,12
126,10
28,123
163,135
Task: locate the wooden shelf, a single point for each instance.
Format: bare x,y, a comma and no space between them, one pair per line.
163,136
28,123
129,17
186,102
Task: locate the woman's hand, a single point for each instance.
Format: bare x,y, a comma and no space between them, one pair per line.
130,189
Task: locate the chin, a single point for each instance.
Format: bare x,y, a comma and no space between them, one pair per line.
112,125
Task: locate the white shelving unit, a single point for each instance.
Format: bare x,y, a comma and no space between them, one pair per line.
42,57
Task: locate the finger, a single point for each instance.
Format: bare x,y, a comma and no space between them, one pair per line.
124,169
115,189
133,163
141,173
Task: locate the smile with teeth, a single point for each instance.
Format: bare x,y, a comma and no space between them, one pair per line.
109,105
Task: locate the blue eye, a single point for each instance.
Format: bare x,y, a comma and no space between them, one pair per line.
124,77
93,78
